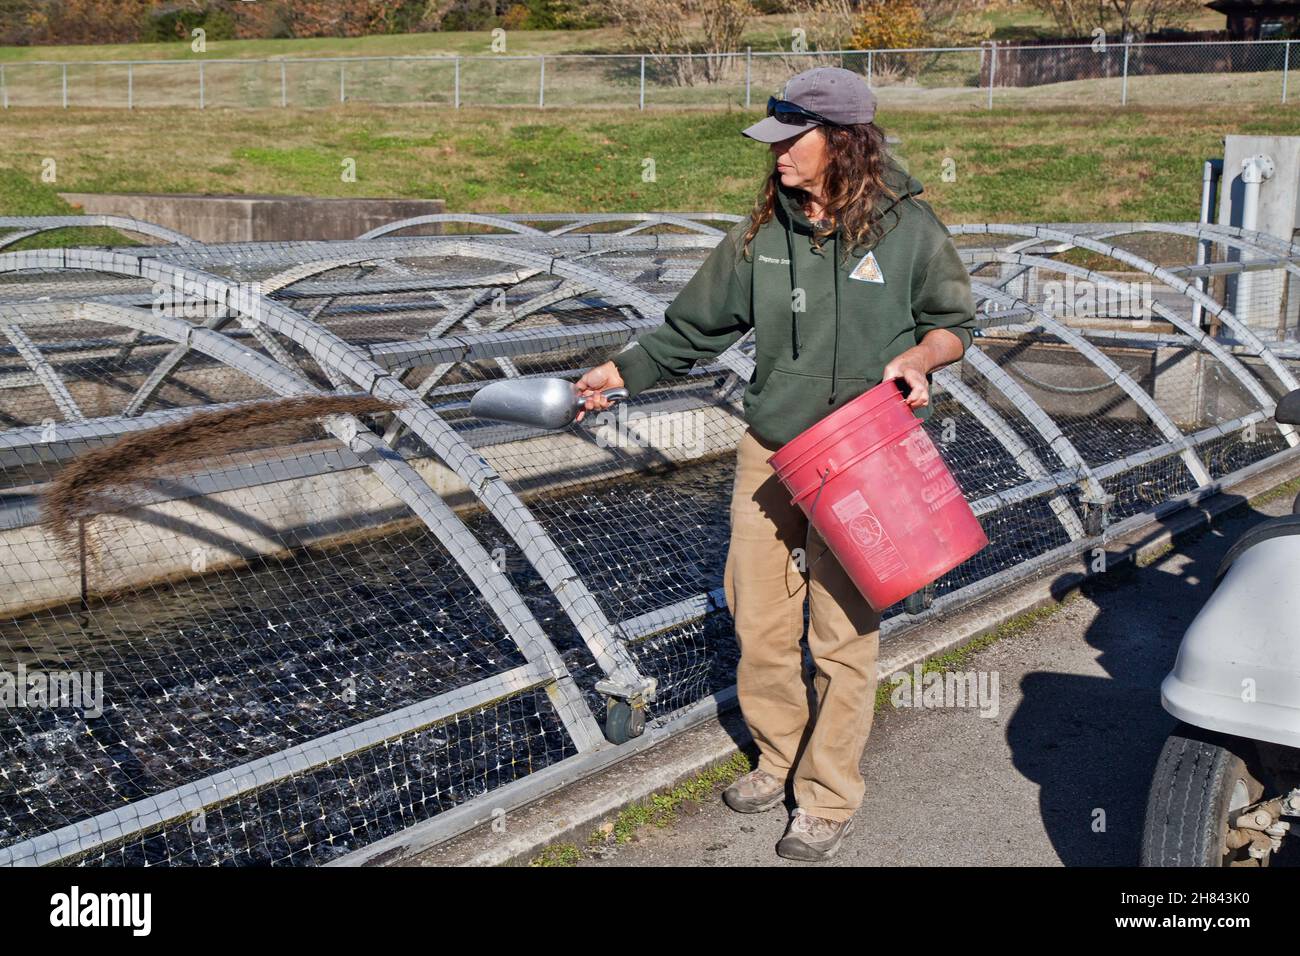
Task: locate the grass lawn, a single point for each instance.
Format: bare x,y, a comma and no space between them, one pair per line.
1012,165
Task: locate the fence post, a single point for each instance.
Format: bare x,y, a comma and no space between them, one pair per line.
4,87
284,87
202,90
871,63
643,82
1286,67
342,89
65,86
457,82
993,69
1124,89
749,72
130,86
541,83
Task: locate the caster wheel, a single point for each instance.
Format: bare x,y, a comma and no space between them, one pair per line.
623,721
918,601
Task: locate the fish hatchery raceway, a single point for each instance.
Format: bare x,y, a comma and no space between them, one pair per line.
343,621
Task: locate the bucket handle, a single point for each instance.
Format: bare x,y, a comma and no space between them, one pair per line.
830,470
807,536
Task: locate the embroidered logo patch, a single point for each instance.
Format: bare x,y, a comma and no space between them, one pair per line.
868,270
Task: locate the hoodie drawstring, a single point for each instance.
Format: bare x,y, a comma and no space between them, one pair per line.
794,288
788,217
795,344
835,353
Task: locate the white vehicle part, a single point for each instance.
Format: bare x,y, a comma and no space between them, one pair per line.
1238,668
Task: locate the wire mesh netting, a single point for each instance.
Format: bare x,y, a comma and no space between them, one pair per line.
275,594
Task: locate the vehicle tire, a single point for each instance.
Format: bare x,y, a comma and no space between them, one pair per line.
1199,778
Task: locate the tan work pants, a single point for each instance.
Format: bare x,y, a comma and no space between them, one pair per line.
818,730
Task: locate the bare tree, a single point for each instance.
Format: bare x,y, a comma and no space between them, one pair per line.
724,24
819,25
659,27
1127,18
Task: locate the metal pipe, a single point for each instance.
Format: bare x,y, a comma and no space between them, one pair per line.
749,73
1209,179
1255,171
1124,90
1286,67
993,69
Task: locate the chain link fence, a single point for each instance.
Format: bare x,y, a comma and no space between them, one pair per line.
990,76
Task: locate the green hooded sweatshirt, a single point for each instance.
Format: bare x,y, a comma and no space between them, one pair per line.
856,315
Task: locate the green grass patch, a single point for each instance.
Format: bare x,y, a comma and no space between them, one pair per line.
657,810
959,657
1013,166
22,195
1287,489
558,854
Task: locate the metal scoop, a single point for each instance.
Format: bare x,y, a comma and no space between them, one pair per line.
540,402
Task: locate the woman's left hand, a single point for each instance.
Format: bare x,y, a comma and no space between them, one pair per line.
911,367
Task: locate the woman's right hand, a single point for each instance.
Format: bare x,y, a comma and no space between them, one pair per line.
595,381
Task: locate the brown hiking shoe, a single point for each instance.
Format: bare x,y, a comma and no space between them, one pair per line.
755,792
812,838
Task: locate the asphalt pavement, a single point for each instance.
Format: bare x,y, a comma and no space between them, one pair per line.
1056,774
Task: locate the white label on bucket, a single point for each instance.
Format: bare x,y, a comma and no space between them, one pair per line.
882,557
850,506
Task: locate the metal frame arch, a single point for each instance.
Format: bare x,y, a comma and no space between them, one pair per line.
1154,412
45,373
1043,423
1253,238
1203,340
298,273
1006,436
404,482
1207,302
350,362
686,220
28,226
475,218
1232,236
1203,233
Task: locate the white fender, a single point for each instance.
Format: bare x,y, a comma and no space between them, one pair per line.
1238,668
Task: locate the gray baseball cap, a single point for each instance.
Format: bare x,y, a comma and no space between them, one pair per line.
840,95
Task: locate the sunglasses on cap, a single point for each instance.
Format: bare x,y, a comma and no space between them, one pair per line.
787,112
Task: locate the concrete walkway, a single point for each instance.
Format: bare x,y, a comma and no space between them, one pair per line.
1058,776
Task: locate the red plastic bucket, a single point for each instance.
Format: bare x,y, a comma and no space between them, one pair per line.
876,488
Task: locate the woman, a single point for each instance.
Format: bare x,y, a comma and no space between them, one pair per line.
847,280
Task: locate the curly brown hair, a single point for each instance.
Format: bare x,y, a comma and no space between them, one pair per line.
854,185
